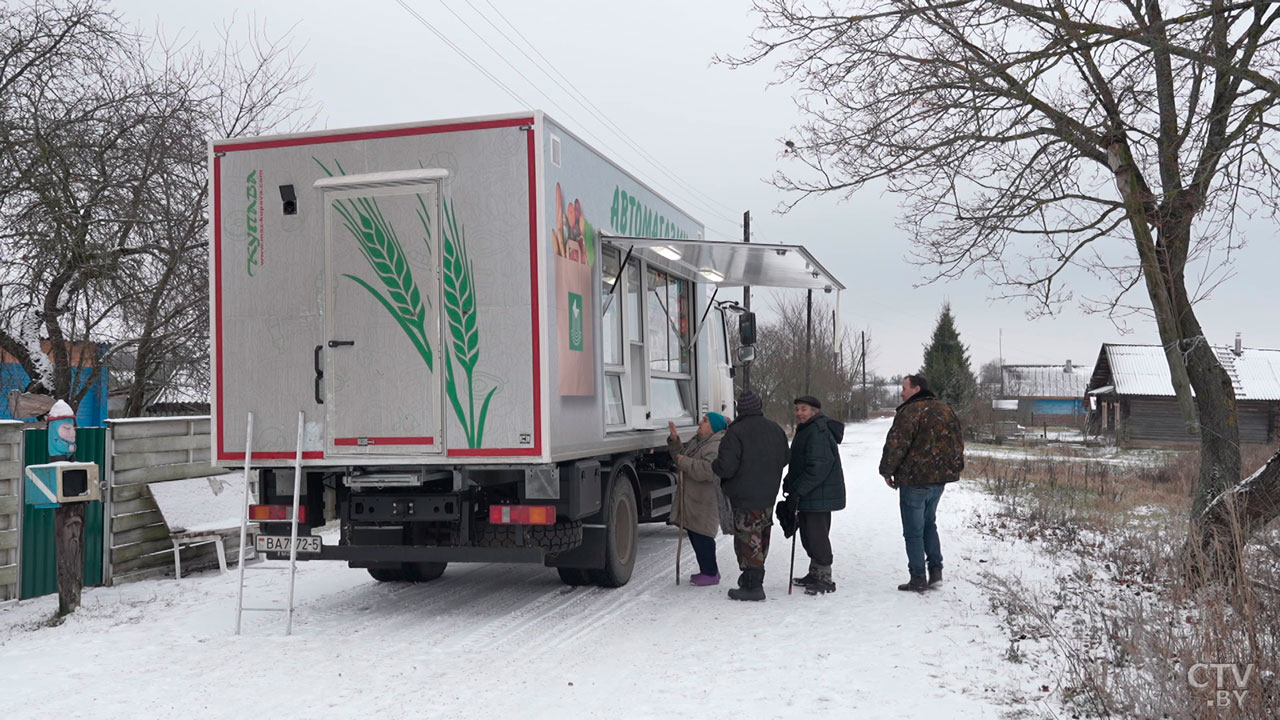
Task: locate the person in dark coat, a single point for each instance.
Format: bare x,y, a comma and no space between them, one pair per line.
923,452
815,481
752,455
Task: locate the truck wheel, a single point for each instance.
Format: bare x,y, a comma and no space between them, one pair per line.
424,571
620,533
574,576
395,574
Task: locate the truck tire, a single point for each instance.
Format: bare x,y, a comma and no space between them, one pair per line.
559,537
396,574
575,576
424,571
621,518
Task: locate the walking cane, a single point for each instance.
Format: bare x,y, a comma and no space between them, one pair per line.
791,577
680,525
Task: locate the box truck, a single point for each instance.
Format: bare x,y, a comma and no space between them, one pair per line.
485,325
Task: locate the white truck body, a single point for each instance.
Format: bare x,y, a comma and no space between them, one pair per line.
283,285
438,297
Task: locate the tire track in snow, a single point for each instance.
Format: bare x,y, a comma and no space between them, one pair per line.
544,619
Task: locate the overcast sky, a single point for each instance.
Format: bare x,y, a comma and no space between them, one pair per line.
646,67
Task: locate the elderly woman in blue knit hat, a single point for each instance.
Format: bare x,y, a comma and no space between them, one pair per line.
698,503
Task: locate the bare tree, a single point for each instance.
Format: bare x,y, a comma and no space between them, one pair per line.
794,359
104,160
1028,140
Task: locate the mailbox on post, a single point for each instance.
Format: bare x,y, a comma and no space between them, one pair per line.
54,484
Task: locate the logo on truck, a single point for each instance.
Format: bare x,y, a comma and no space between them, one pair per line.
253,221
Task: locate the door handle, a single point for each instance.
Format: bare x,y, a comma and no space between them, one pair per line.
340,343
319,375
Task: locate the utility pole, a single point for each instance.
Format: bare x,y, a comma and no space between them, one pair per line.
808,340
1001,362
866,407
746,296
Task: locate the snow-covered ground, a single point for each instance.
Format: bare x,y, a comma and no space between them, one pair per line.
512,641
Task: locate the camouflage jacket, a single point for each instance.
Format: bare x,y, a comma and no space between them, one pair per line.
925,445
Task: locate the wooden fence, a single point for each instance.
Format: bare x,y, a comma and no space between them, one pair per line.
10,506
144,451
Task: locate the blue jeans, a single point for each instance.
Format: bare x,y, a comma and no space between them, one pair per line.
919,505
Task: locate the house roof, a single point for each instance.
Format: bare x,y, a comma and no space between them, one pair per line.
1143,370
1044,381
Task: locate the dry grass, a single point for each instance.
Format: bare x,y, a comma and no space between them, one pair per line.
1130,637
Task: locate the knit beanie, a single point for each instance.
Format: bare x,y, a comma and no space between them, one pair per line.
717,421
749,403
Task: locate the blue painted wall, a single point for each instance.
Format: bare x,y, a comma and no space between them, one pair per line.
1057,407
93,408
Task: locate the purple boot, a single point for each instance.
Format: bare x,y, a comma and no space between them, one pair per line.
703,579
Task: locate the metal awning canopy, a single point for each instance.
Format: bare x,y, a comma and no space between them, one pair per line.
731,264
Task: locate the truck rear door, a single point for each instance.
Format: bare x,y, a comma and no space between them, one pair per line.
382,325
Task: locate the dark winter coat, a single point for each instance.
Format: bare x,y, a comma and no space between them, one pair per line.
752,455
815,474
924,446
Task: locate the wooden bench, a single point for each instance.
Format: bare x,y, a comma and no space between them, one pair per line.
201,510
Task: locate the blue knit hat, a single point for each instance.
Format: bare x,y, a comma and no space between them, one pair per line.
717,422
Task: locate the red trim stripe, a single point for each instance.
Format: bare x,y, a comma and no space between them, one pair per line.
386,441
371,135
533,299
494,452
217,302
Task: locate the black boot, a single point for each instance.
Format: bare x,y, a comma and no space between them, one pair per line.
808,578
935,576
916,584
752,586
822,582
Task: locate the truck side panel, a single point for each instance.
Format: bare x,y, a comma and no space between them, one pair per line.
269,286
584,194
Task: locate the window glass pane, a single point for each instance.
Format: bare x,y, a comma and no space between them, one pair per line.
671,399
635,304
678,333
656,302
612,323
614,414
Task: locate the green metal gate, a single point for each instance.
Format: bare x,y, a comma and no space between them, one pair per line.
39,550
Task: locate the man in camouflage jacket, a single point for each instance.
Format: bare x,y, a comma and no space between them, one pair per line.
923,452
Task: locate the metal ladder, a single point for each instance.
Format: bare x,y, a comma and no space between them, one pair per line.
292,567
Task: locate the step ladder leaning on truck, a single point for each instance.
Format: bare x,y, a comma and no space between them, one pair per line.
487,325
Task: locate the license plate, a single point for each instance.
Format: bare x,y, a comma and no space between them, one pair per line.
280,543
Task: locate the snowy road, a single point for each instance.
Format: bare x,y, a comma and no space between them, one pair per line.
501,640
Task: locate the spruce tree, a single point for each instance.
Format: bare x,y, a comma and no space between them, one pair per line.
946,362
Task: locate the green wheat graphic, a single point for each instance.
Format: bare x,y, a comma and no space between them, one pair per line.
460,310
382,249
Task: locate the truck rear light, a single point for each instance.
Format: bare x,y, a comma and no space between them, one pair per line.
522,514
278,513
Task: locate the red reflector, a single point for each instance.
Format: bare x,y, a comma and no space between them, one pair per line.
281,513
522,514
